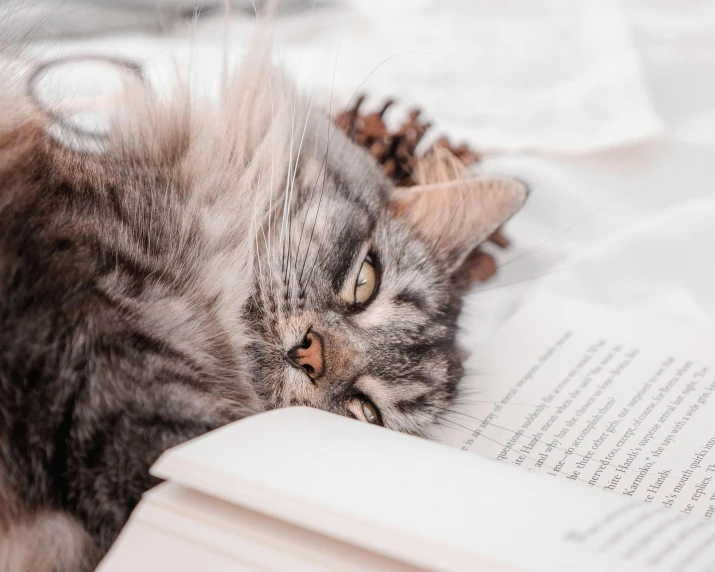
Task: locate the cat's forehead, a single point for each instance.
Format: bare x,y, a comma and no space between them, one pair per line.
348,171
331,229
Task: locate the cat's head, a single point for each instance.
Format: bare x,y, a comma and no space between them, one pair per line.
285,241
358,287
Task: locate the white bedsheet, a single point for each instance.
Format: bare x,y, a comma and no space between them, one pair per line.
633,226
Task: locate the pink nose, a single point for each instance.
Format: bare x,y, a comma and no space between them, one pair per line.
308,355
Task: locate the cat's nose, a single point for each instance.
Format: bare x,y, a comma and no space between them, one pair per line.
308,355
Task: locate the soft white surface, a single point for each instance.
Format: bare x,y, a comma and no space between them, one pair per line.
632,226
557,75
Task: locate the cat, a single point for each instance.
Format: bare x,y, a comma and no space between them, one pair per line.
197,263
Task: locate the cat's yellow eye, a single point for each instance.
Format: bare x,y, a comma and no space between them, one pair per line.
366,282
370,413
364,410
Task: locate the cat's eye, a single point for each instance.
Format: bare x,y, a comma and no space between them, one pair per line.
370,412
366,281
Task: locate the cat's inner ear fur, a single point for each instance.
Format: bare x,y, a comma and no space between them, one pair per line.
455,217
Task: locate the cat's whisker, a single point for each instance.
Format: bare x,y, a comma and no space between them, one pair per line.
295,168
286,207
257,217
322,233
530,278
270,197
258,261
271,224
377,67
324,164
324,174
295,173
403,248
482,435
289,182
506,404
546,440
286,211
286,225
554,240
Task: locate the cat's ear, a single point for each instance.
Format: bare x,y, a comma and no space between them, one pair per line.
456,217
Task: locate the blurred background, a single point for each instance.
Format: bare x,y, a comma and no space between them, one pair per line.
607,109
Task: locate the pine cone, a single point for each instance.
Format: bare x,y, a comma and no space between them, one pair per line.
395,152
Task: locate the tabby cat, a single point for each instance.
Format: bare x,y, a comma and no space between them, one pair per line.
197,263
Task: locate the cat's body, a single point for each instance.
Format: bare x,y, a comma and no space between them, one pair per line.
154,290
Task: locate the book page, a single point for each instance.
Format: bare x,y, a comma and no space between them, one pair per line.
181,530
619,403
422,503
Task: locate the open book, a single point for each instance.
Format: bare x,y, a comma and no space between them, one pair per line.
593,441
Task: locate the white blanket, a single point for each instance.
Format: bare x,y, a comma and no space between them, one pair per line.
633,227
551,75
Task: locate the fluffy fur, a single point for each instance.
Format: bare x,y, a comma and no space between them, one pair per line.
152,282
